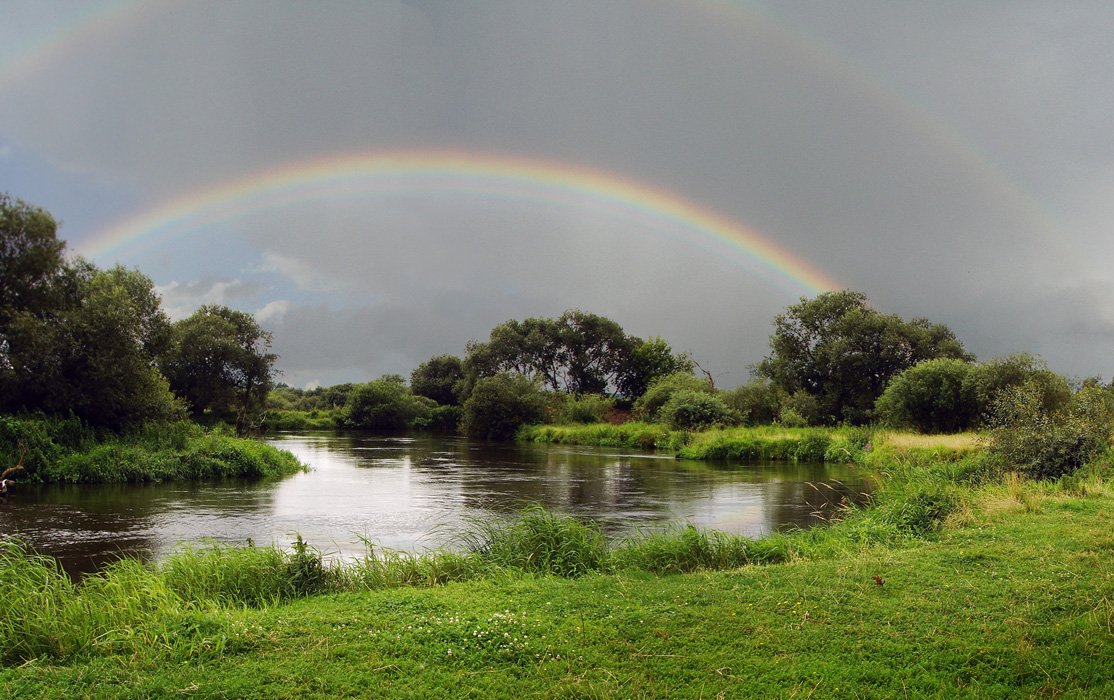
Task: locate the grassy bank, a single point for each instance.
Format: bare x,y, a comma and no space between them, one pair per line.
67,451
944,589
756,443
325,419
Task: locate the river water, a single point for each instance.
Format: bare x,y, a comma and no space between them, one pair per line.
414,493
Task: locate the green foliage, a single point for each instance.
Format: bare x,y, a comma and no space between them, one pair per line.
499,405
649,361
383,404
437,379
689,549
988,379
1043,444
934,396
588,408
660,391
68,451
220,362
30,257
578,353
694,410
759,402
843,353
539,541
91,351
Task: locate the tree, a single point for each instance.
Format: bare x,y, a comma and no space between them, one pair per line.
663,388
500,404
989,379
577,353
220,362
843,353
91,351
437,378
934,396
650,360
382,404
30,256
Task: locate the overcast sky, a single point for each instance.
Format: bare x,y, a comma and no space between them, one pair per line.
953,160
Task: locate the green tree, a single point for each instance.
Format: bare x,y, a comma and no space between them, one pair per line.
219,361
694,410
843,353
650,360
577,353
934,396
383,404
30,257
663,388
91,352
758,402
437,379
989,379
500,404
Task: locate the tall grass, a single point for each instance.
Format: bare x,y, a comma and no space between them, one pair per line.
66,451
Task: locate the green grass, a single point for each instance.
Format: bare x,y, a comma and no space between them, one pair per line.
1008,600
65,451
324,419
956,581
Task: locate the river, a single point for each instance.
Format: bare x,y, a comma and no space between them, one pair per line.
415,492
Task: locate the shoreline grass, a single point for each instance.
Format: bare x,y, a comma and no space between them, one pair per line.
66,451
1006,594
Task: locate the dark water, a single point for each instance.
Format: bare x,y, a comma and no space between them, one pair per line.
411,493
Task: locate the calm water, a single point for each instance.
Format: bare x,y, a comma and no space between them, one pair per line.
409,493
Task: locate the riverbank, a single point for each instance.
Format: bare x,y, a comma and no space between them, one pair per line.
67,451
769,442
943,589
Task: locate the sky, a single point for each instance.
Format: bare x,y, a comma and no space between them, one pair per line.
382,181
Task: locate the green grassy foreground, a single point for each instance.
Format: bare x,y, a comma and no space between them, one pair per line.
66,451
986,587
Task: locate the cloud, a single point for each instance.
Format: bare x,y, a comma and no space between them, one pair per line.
952,162
181,299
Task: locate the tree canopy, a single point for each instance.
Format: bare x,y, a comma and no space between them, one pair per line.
842,352
577,353
219,361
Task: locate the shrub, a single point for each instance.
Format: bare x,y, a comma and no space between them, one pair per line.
587,408
934,396
758,402
383,404
1045,444
500,404
690,410
648,405
988,379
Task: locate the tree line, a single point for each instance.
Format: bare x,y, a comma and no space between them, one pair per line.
77,340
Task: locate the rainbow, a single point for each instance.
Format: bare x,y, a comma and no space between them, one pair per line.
469,174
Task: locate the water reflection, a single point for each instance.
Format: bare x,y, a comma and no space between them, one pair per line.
408,493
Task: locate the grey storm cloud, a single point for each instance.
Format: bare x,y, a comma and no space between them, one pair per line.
952,160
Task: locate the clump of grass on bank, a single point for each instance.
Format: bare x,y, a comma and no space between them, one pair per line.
634,435
317,419
66,451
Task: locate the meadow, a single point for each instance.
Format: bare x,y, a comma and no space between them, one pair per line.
957,580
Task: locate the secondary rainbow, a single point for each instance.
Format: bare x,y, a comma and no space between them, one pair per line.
466,173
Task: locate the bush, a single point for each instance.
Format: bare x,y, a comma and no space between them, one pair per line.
1043,444
383,404
934,396
648,405
690,410
988,379
500,404
588,408
800,410
758,402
